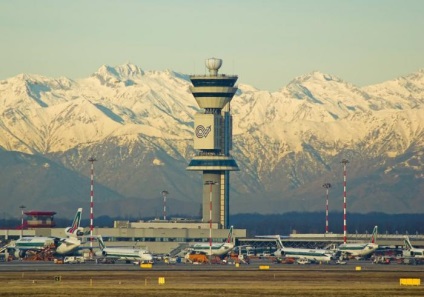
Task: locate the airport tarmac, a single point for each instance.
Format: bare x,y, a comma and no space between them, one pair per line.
185,280
22,266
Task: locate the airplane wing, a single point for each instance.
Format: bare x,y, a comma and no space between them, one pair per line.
23,248
86,238
70,241
273,236
242,246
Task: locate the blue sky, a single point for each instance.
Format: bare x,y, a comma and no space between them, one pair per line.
266,42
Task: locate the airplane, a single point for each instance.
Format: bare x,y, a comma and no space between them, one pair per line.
61,246
360,249
217,249
124,253
319,255
413,252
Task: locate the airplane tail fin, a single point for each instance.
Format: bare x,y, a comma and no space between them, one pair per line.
101,242
374,235
75,229
277,239
408,244
279,242
230,236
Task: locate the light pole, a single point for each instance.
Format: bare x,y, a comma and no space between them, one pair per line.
91,160
344,162
164,193
22,219
210,183
326,186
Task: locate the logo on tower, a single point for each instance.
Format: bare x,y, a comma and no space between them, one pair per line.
202,132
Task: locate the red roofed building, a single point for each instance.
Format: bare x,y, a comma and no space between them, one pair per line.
39,219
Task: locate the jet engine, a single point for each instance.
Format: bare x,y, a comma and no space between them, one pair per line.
22,253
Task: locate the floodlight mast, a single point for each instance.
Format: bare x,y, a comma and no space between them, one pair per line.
344,162
91,160
210,183
327,186
164,193
22,207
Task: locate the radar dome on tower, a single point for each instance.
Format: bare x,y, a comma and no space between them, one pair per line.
213,64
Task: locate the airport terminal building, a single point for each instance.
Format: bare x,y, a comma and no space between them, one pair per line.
158,236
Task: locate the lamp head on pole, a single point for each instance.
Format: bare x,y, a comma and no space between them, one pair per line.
344,161
92,159
209,182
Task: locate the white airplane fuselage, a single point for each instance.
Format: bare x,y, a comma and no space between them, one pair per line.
127,254
217,249
319,255
357,249
62,246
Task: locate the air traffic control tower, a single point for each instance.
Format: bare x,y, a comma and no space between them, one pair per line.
213,140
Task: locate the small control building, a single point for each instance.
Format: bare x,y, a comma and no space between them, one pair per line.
39,219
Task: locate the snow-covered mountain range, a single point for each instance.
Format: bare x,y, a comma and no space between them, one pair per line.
139,126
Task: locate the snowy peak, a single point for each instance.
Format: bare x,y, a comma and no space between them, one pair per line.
416,76
329,93
110,76
401,93
129,74
316,77
125,71
28,79
26,91
317,87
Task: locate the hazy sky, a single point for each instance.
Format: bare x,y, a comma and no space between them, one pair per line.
267,43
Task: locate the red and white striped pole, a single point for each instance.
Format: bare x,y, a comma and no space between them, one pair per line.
164,193
344,161
91,160
210,183
327,186
210,219
22,220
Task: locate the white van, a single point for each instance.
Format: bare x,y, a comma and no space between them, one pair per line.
73,260
303,261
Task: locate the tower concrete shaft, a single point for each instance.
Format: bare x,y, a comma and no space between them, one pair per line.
213,139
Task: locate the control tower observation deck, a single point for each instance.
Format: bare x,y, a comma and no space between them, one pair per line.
213,140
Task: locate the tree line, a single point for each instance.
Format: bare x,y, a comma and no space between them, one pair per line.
287,223
314,222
